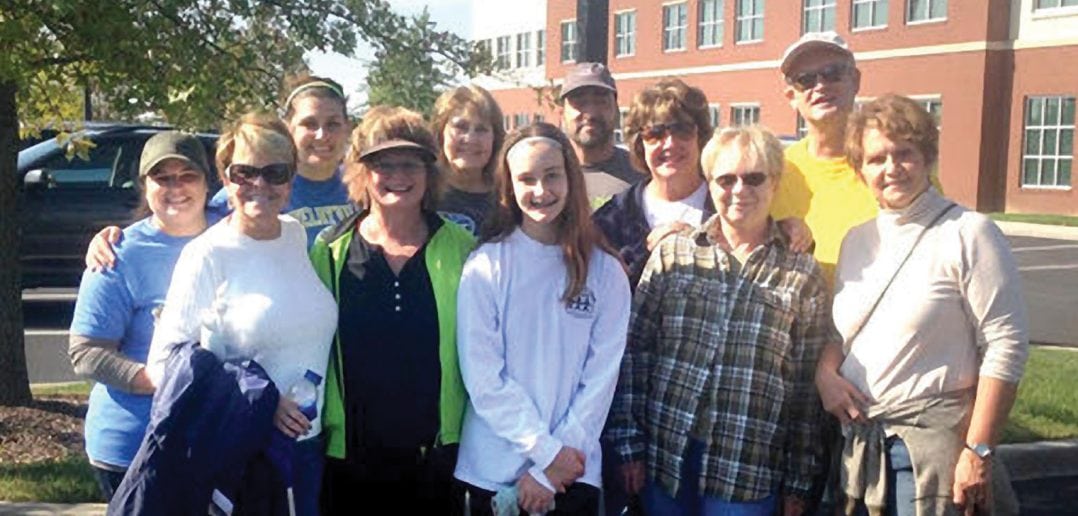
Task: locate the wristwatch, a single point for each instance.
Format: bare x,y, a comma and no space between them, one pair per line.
982,450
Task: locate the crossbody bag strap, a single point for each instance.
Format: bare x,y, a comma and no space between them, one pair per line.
868,315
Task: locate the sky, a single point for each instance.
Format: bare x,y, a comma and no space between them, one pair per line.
350,71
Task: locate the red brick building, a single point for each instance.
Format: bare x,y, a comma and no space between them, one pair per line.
1000,75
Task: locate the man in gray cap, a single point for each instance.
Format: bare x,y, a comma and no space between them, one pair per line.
589,111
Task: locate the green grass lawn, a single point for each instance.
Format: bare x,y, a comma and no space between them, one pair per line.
1047,408
1055,220
1047,405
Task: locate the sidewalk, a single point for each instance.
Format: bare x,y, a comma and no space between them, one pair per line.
1029,461
1037,230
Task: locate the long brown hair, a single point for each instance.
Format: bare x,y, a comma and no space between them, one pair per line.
576,235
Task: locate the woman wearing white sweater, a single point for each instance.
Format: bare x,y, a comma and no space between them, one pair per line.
928,301
543,309
245,288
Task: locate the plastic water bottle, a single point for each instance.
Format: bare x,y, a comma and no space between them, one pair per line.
305,393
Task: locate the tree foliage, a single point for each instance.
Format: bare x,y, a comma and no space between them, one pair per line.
193,62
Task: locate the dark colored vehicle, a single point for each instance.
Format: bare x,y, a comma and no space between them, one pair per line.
64,203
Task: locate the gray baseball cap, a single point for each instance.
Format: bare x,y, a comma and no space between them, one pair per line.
173,145
588,74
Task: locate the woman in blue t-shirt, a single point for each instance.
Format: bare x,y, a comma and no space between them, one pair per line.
116,308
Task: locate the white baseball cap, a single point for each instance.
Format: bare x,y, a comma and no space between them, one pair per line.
828,40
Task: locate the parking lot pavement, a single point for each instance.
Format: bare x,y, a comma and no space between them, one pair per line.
1049,269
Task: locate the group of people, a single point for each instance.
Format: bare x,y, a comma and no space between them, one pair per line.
736,329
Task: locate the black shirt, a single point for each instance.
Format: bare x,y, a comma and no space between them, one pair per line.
388,329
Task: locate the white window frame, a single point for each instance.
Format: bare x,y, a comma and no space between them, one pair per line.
909,12
524,50
714,112
625,33
822,6
926,101
520,120
716,25
737,111
1060,7
570,48
740,17
1058,127
800,127
673,28
619,133
503,54
875,6
540,47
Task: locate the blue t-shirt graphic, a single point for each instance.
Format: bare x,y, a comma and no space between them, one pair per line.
119,305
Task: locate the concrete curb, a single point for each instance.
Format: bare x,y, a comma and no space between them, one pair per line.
1030,461
1037,230
49,509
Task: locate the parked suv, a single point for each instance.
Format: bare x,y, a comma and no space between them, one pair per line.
65,202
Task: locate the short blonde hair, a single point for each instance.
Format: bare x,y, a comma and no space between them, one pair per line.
754,141
668,98
462,100
258,129
898,117
381,124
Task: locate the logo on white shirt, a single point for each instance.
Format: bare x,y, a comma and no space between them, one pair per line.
583,305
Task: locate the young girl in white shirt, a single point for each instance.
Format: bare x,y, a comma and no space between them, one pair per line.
543,309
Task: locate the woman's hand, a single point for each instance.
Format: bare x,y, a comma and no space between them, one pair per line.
632,474
99,255
798,232
840,397
289,420
661,232
532,497
973,483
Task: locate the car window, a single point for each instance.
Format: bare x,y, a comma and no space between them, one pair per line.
95,172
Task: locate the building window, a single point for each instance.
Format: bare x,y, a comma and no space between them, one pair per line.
625,33
802,127
744,114
709,32
520,120
926,10
1048,150
750,20
503,53
505,122
537,118
1055,4
569,48
540,47
870,14
484,46
819,16
524,50
619,134
934,106
715,114
675,23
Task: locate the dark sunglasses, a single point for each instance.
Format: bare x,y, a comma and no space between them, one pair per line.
274,173
658,132
727,181
829,74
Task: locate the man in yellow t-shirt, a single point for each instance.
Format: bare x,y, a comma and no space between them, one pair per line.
817,184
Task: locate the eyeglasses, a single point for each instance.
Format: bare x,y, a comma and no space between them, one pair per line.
658,132
829,74
170,180
727,181
388,167
274,173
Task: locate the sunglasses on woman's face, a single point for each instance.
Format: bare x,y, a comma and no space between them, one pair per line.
658,132
727,181
274,173
829,74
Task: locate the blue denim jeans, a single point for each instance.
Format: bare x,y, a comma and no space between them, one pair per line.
689,501
900,485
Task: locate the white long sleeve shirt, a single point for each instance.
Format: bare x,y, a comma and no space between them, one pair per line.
273,308
540,373
954,312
